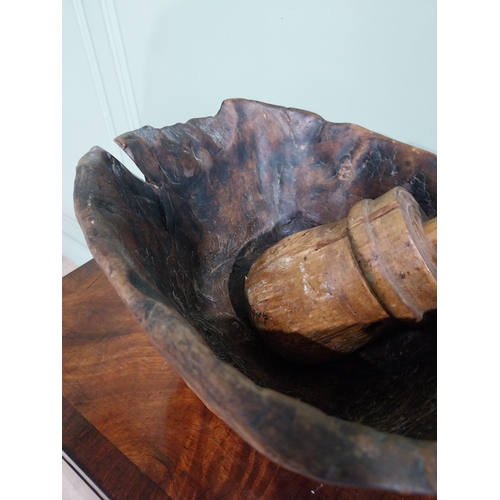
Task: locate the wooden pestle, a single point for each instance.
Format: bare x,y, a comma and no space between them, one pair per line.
330,289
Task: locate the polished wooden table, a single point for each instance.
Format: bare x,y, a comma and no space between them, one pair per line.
134,430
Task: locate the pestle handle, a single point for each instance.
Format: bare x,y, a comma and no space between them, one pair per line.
326,290
430,230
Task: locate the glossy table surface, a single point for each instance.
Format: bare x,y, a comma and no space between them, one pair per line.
134,429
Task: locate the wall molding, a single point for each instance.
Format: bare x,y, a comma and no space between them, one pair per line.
94,69
120,62
101,36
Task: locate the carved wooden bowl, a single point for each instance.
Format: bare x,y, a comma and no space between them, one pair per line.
219,191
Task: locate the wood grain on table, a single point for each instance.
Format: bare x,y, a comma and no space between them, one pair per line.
132,425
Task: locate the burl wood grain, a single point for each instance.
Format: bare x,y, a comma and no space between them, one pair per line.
176,248
137,430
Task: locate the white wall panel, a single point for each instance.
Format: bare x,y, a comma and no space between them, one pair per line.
83,125
370,63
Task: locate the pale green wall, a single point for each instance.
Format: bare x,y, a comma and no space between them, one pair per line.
157,62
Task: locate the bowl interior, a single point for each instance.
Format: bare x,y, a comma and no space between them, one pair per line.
221,190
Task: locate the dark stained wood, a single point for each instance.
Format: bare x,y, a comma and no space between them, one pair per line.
135,428
219,191
109,469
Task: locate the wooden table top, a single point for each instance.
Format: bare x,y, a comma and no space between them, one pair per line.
137,431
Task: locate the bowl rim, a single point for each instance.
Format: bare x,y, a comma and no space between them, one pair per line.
360,456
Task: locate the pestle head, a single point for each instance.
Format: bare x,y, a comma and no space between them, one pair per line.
329,290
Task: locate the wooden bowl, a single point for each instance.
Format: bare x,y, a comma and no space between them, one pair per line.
219,191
